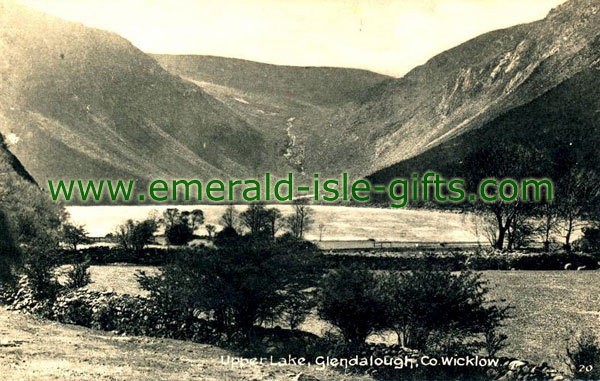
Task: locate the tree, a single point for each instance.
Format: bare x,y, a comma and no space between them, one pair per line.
180,226
179,234
229,219
301,220
350,298
240,283
262,222
193,219
210,229
133,235
321,230
549,218
578,196
170,217
297,306
502,161
74,235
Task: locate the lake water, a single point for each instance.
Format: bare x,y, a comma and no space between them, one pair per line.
339,223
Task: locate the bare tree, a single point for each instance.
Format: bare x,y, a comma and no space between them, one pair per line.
321,228
230,218
301,220
210,229
548,224
579,193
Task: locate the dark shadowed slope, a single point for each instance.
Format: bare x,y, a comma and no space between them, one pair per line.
564,122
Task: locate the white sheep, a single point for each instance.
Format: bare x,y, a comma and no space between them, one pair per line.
581,268
568,266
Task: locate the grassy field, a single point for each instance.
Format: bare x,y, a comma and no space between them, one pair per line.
548,306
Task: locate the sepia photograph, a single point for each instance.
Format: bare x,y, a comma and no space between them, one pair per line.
305,190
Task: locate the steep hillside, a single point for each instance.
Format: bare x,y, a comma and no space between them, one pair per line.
466,87
84,103
286,104
563,122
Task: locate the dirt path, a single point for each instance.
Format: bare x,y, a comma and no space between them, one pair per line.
36,349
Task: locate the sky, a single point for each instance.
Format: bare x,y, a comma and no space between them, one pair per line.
386,36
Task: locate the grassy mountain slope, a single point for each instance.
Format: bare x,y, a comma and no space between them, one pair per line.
86,103
287,104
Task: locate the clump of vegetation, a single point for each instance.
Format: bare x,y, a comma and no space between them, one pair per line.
350,298
180,226
240,284
78,276
590,242
432,302
297,306
136,235
583,357
430,308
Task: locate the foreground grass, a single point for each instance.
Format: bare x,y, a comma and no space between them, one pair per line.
36,349
549,306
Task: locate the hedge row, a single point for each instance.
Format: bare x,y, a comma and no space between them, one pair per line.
461,261
101,255
455,260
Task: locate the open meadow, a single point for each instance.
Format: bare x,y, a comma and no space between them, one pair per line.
549,306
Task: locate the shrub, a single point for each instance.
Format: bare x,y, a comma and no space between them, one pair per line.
297,306
39,269
239,284
583,357
350,299
433,302
78,276
590,242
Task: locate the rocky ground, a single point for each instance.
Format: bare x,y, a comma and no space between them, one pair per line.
36,349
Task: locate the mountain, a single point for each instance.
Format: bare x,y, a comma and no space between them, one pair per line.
286,104
471,86
564,122
84,103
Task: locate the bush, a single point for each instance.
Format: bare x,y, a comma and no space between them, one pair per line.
433,307
239,284
351,299
590,242
39,270
583,357
78,276
297,306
